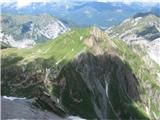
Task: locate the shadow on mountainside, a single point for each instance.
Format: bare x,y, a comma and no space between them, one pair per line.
89,86
100,87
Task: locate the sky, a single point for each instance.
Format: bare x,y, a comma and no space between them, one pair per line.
22,3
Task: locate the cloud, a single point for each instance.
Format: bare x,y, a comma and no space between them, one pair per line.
119,10
128,1
22,3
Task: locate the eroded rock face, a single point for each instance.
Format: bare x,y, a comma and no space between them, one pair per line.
18,108
91,82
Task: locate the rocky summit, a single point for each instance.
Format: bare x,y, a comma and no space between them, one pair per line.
85,73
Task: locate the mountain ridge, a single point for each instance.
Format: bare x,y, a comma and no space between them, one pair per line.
28,30
93,13
142,32
93,62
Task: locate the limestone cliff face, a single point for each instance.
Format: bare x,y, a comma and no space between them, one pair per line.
23,31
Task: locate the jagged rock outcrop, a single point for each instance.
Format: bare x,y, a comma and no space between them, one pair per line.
20,108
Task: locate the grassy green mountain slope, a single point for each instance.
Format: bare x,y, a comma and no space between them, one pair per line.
91,75
69,43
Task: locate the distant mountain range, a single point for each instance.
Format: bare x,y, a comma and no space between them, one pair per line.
107,72
83,14
27,30
143,31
